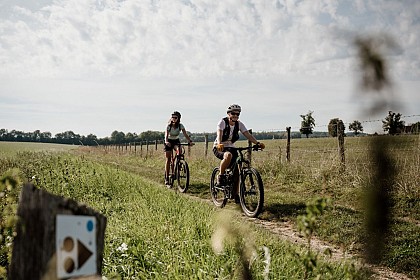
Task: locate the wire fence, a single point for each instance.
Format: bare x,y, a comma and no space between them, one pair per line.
296,128
311,152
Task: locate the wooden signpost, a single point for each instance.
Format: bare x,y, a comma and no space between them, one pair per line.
57,238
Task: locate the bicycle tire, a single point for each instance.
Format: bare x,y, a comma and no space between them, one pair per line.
251,192
182,175
218,194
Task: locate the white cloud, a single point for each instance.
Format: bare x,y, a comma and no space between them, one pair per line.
94,55
175,38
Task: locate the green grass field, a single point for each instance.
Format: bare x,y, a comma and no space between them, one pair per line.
168,235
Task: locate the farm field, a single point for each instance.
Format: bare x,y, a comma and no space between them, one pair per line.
154,232
11,148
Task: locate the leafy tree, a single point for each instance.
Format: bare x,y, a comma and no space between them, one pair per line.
18,135
151,135
68,137
45,136
90,140
117,137
393,123
415,128
130,137
334,125
356,126
307,124
3,132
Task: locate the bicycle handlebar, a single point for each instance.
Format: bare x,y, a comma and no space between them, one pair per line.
255,147
185,144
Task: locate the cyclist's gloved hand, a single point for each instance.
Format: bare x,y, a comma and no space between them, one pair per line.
220,147
191,143
261,145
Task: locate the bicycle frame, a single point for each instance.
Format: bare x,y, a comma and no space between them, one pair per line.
178,155
239,164
179,170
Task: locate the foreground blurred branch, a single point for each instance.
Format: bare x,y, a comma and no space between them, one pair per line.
375,83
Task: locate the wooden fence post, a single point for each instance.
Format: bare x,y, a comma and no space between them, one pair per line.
250,150
340,136
288,144
156,145
43,249
206,144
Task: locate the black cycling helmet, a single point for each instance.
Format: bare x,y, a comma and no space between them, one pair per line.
234,107
176,113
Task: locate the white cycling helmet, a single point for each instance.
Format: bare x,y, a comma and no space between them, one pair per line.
234,107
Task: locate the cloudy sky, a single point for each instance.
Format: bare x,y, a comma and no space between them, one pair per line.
95,66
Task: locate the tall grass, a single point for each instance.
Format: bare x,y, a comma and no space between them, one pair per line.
314,170
156,233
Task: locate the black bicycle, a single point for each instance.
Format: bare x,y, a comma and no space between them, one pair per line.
179,168
251,189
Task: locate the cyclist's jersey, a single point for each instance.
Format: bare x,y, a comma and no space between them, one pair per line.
173,133
222,126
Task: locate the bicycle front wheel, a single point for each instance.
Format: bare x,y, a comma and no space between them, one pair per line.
251,192
183,175
218,194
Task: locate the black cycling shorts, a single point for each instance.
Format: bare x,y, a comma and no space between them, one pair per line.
219,155
173,142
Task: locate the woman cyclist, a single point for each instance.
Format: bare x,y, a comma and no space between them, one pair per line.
172,131
227,134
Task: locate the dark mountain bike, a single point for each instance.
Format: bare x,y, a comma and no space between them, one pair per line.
179,168
251,189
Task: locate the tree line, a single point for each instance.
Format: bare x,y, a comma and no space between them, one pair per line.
391,124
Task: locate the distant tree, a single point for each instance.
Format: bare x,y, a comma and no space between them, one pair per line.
334,125
415,128
17,135
393,123
45,136
68,137
3,134
151,135
356,126
117,137
307,124
130,137
90,140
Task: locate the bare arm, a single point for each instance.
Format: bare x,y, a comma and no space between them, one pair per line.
186,135
219,136
166,136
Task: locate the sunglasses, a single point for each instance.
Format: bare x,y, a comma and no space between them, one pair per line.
174,117
234,114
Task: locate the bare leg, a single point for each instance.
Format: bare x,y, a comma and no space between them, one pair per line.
227,157
168,163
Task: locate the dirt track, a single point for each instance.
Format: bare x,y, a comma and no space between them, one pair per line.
286,231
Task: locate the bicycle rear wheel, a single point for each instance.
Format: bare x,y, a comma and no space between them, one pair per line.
182,175
217,192
251,192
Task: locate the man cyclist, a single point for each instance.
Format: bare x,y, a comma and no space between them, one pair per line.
227,134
